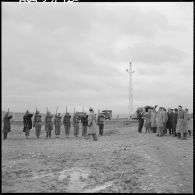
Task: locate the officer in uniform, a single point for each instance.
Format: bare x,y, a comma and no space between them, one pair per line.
100,122
37,123
27,122
48,124
76,125
84,121
57,123
67,124
6,125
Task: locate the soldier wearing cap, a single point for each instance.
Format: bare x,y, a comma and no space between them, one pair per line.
37,123
6,125
48,124
27,122
57,124
84,121
76,124
101,122
67,124
174,121
180,128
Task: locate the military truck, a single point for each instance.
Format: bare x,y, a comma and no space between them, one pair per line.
107,114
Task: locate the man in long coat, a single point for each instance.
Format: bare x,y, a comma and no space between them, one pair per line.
140,117
67,124
101,122
84,121
6,125
174,121
27,122
160,121
169,121
92,125
181,123
76,124
57,124
37,123
48,124
153,120
187,118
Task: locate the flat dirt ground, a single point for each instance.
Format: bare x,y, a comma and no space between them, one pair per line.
120,161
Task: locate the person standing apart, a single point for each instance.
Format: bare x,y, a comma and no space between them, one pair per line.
181,124
92,125
101,122
48,124
37,123
27,122
84,121
6,124
67,124
57,124
76,125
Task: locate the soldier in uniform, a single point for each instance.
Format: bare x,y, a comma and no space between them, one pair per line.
181,124
67,124
140,116
6,125
76,125
84,121
37,123
27,122
174,122
101,122
48,124
57,123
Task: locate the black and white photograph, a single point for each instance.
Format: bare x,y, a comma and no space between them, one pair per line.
97,97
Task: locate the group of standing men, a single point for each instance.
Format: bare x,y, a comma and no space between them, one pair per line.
88,124
178,121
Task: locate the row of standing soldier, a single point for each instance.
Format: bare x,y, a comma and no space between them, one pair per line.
178,122
87,121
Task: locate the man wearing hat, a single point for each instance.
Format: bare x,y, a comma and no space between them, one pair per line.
92,124
66,122
48,124
174,121
180,128
76,124
100,122
6,124
27,122
37,123
84,121
57,124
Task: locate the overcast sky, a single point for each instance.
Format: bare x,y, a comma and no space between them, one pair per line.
75,54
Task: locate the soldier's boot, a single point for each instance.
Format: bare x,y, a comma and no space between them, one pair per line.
189,131
178,135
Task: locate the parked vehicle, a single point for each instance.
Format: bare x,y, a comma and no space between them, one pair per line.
107,113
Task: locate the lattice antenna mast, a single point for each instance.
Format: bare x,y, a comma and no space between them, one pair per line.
130,89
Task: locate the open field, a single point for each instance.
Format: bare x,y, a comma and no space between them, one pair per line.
120,161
